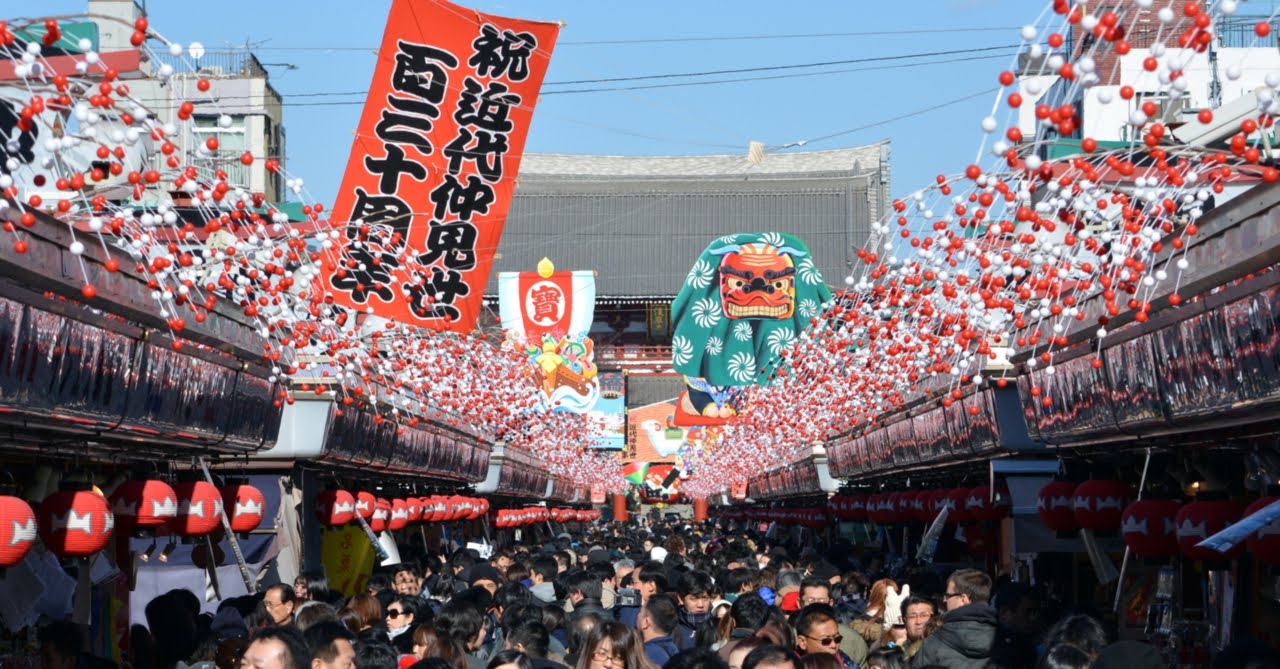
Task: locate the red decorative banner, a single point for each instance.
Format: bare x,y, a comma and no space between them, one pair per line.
546,304
434,164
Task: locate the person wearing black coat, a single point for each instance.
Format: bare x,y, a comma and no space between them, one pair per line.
968,631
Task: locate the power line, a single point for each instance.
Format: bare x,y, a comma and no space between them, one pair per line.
895,119
773,68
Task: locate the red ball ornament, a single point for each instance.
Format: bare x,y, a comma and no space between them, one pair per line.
366,504
245,505
1263,544
1099,503
1202,519
143,504
399,515
17,530
1147,526
1056,506
335,508
75,523
199,509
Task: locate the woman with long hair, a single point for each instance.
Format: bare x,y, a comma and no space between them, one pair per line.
367,610
312,586
871,624
614,645
427,642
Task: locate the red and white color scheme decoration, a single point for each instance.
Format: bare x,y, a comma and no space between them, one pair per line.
199,509
335,508
75,523
1056,506
1099,503
17,530
1148,527
143,504
381,517
366,504
244,505
1264,544
1200,520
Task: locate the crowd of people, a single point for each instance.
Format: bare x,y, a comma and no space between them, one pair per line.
640,597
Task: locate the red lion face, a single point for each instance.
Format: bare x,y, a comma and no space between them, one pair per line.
758,282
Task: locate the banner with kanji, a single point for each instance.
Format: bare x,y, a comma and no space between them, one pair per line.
434,163
547,316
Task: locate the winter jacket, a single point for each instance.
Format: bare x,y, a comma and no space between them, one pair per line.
544,592
687,629
870,629
586,606
963,641
660,649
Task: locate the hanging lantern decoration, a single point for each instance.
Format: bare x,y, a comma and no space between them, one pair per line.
1056,505
484,506
413,506
245,505
500,520
941,499
1099,503
1147,526
17,530
399,515
1202,519
335,508
199,509
855,508
979,506
143,504
381,515
981,539
366,504
959,506
75,523
1264,544
475,508
921,506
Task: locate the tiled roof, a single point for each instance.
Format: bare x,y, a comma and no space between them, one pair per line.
536,166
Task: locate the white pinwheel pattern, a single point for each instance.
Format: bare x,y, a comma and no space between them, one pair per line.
809,272
742,367
715,346
728,239
808,308
780,339
742,331
772,238
706,312
681,350
701,275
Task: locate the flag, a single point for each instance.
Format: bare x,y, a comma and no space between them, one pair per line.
434,163
635,471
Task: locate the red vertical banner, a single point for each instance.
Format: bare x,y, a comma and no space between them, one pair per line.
433,167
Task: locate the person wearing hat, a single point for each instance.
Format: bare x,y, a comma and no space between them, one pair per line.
484,576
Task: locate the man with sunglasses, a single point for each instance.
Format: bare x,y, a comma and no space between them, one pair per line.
969,627
818,632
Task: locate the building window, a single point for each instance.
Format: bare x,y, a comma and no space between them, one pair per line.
232,142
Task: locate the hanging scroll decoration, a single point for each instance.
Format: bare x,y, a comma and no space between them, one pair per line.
433,167
547,315
745,301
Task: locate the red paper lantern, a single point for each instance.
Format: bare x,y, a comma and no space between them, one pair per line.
1202,519
399,515
381,515
335,508
414,506
1056,506
941,499
981,539
245,505
921,506
1147,526
75,523
475,508
484,506
959,507
366,504
199,509
1264,544
856,508
143,504
501,520
1099,503
17,530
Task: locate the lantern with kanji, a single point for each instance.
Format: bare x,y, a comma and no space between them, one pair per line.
381,515
1147,526
245,505
17,530
366,504
1056,505
75,523
335,508
399,515
199,509
1264,544
143,504
1099,503
1202,519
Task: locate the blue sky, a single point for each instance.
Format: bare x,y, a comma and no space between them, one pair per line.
330,44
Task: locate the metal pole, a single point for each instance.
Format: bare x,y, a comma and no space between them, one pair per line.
1124,564
249,584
